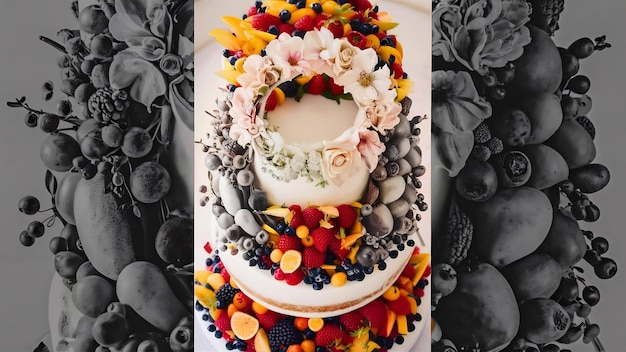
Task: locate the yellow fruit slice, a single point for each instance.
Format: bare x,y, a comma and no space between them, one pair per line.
277,212
392,293
403,326
244,325
226,38
391,321
258,308
290,261
331,211
216,281
234,24
299,13
302,231
261,342
420,268
316,324
338,279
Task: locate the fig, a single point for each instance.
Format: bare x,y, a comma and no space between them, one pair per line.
444,279
93,20
110,329
477,181
565,241
575,145
174,240
58,150
543,320
510,225
92,295
66,264
539,69
84,340
482,309
86,269
150,182
590,178
548,167
380,221
544,113
137,142
85,128
536,275
512,167
511,125
93,147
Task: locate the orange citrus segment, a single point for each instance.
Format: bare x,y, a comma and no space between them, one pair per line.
316,324
244,325
290,261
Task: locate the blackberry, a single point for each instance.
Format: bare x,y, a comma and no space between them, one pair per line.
290,88
231,146
283,334
482,133
588,125
224,295
481,152
107,105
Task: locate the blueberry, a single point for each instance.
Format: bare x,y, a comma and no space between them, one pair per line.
301,4
252,262
280,227
290,88
375,9
383,265
307,279
292,1
297,33
368,270
273,30
226,53
211,328
318,286
284,15
232,87
401,247
317,7
263,52
258,4
290,231
218,334
262,9
230,346
399,340
232,60
244,16
217,269
208,261
258,252
205,317
397,239
309,334
410,243
392,254
355,25
366,29
375,28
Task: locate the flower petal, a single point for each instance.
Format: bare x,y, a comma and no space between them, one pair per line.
181,99
145,80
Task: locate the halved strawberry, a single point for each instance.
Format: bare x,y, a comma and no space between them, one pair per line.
263,21
357,39
347,216
328,334
312,258
322,238
286,242
312,217
296,218
400,306
316,85
336,27
272,101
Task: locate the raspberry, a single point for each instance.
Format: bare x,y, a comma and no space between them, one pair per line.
252,11
357,39
263,21
223,322
286,28
328,335
268,319
316,85
305,24
481,152
312,217
400,306
312,258
322,238
398,72
286,243
482,133
294,278
335,88
347,216
495,145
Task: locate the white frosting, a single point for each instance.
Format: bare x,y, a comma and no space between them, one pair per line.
306,124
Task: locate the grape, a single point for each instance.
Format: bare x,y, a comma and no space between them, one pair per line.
579,211
591,332
58,244
581,48
606,268
567,187
212,161
80,162
35,229
550,348
48,122
26,239
568,289
30,119
29,205
591,295
579,84
583,310
569,106
569,62
592,213
600,245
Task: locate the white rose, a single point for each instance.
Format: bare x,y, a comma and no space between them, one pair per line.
343,61
336,164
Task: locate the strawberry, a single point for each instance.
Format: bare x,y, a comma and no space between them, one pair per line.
207,247
305,24
272,100
376,313
286,243
320,20
252,11
328,335
312,217
361,5
279,274
286,28
334,87
426,272
268,319
294,278
400,306
334,247
418,292
357,39
408,271
322,237
316,85
336,27
263,21
397,70
347,216
352,321
312,258
223,322
296,219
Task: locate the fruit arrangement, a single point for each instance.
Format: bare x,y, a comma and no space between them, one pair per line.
512,129
113,180
246,325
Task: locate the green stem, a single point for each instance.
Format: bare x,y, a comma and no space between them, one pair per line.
52,43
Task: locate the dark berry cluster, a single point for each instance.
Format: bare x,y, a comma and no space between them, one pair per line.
224,296
317,277
283,334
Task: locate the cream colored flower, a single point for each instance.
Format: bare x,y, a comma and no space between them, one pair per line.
381,113
343,61
362,80
260,73
340,158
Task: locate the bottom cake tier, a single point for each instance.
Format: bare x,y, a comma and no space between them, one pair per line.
229,320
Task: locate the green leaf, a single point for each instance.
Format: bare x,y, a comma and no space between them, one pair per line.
13,104
51,183
300,93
